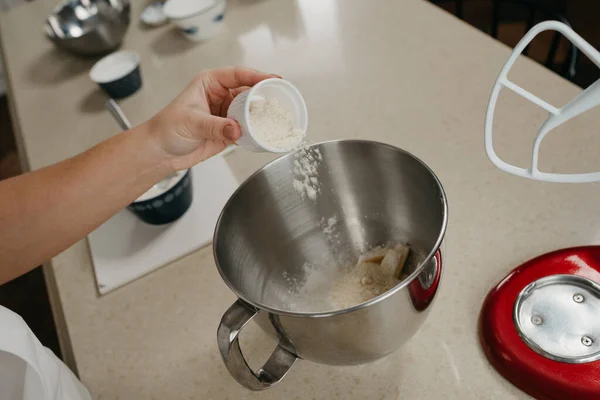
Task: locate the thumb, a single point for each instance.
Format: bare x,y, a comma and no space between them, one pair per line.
216,128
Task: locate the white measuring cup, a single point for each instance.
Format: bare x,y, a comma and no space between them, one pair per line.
286,93
587,99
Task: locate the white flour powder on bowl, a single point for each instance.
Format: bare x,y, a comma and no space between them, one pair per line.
335,287
306,172
272,124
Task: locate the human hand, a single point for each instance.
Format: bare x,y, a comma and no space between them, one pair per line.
194,127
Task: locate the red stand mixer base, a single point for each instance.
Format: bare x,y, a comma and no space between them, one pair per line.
516,333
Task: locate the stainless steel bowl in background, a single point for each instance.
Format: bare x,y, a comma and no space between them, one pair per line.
88,27
266,232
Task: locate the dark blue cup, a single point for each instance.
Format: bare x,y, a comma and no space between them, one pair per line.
118,74
162,206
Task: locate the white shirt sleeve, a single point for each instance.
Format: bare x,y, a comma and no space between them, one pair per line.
30,371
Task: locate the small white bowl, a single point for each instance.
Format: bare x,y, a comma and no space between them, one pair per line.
289,97
197,20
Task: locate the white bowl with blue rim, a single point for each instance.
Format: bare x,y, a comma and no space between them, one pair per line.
197,20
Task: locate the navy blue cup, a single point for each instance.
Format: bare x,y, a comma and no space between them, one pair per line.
118,74
168,205
124,87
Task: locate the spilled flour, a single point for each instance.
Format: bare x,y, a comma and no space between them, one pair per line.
306,177
329,227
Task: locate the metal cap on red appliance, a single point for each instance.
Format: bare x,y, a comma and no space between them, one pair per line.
540,326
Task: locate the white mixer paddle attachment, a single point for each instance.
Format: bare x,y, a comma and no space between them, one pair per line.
584,101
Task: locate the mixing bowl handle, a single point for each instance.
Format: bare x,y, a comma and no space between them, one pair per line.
232,323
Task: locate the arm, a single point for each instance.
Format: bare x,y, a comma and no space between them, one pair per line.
44,212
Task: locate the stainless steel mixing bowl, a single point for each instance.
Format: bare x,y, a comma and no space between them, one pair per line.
88,27
266,233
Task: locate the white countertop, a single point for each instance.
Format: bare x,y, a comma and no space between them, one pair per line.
402,72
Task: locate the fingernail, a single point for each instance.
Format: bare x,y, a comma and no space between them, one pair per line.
230,133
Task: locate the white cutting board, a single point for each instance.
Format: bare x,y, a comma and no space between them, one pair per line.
124,248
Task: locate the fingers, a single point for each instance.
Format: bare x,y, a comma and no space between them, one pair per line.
234,77
222,85
215,128
236,91
229,98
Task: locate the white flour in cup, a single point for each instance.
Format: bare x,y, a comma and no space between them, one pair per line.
272,125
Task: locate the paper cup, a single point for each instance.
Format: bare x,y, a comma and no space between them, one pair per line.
118,74
197,20
289,97
167,201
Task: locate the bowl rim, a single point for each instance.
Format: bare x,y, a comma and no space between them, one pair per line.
322,314
101,63
59,7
